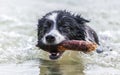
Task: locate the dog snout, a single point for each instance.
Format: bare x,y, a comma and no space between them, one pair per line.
50,38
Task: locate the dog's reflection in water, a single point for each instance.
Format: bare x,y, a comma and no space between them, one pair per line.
61,67
50,68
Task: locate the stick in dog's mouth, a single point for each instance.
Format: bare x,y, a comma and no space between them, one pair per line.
56,51
77,45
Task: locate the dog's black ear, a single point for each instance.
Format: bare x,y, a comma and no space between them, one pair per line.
40,21
81,20
40,28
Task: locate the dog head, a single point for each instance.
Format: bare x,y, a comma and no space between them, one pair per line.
56,27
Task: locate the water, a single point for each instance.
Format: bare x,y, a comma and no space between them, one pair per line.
18,26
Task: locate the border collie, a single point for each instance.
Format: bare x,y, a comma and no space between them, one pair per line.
58,26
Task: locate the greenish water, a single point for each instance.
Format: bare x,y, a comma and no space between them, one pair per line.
18,29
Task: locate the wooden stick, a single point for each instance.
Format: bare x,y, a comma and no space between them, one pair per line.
77,45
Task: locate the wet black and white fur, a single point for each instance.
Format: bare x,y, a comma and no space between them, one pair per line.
58,26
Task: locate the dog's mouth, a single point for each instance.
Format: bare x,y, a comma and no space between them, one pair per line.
55,55
52,49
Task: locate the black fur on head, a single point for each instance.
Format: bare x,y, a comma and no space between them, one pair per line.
70,25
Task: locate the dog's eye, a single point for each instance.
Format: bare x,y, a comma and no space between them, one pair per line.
48,24
64,24
66,27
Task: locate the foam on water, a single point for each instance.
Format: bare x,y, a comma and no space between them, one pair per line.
25,68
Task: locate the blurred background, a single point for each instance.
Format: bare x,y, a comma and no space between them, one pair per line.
18,29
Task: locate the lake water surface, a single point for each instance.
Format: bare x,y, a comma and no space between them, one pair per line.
18,29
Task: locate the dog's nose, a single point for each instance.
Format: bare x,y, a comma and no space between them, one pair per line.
50,39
